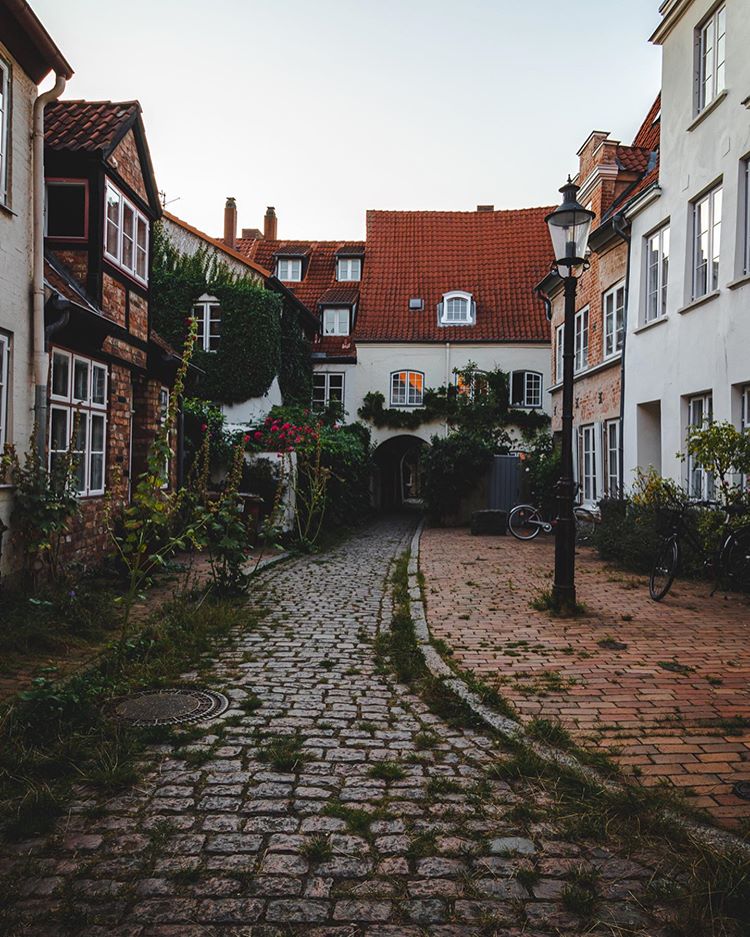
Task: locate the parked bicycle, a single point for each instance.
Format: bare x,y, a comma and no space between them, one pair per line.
729,564
526,522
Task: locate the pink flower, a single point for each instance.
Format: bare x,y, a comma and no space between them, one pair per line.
286,426
274,429
246,438
258,435
204,427
298,439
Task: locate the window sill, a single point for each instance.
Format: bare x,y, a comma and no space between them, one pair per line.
650,325
7,210
708,109
740,281
406,406
701,301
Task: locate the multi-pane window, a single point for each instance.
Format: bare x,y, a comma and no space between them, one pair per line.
4,129
581,340
163,417
456,309
327,389
657,274
66,209
289,269
349,268
126,234
587,462
407,388
4,392
712,49
526,389
700,482
612,462
336,321
614,319
78,418
208,313
706,242
471,386
559,341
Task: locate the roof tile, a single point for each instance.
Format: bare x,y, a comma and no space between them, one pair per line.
86,125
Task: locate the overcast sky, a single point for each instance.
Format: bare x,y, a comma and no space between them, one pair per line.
325,108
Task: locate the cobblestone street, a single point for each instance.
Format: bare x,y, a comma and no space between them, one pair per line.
382,822
667,684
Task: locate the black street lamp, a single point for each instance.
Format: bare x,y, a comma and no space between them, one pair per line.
569,227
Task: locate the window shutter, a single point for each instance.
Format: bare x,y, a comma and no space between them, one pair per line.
598,464
516,388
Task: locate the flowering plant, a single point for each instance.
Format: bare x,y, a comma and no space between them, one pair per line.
279,435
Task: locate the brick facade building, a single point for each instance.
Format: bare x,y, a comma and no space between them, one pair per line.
110,374
610,176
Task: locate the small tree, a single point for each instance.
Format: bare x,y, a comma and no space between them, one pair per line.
723,450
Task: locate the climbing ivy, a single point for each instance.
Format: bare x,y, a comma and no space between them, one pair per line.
249,353
486,410
295,374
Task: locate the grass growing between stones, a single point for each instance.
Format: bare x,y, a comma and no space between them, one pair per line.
55,734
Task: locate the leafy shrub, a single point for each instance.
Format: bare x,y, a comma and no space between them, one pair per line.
542,467
452,465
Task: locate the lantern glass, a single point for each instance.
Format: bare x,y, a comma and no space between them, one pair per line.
569,228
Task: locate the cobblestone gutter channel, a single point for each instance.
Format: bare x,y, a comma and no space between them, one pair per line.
328,800
513,730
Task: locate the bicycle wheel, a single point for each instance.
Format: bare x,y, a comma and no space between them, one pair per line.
585,525
665,567
736,561
525,522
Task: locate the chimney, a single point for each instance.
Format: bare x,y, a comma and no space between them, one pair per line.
230,223
269,224
485,207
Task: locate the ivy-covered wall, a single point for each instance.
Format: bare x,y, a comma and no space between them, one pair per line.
260,336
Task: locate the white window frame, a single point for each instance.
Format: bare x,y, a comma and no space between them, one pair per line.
559,344
613,309
531,396
708,236
581,340
411,395
587,463
90,408
5,109
289,269
336,320
657,274
4,387
745,424
163,416
700,483
711,47
205,311
467,302
327,379
139,249
613,480
745,188
348,269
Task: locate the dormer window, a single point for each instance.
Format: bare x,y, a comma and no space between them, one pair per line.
126,235
349,269
289,269
336,321
457,308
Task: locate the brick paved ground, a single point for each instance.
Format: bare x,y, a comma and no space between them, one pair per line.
235,848
660,681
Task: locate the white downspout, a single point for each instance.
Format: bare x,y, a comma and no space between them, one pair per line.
41,362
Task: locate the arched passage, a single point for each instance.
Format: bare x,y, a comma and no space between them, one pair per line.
398,475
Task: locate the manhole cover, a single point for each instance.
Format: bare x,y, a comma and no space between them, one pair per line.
167,707
742,789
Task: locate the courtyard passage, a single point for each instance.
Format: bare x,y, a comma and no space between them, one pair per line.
328,800
666,685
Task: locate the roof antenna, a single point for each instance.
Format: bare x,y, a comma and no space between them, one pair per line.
163,199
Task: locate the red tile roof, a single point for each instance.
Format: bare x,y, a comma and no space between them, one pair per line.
649,131
87,125
335,346
320,267
497,256
339,296
646,142
633,158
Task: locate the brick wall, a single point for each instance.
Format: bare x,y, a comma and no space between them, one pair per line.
138,316
114,299
127,163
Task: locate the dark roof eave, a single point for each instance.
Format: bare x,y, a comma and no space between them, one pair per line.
309,317
43,45
396,340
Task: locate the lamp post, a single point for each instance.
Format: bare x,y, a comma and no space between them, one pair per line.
569,227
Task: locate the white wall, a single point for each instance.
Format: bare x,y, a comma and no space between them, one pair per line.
376,362
702,347
15,273
254,410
